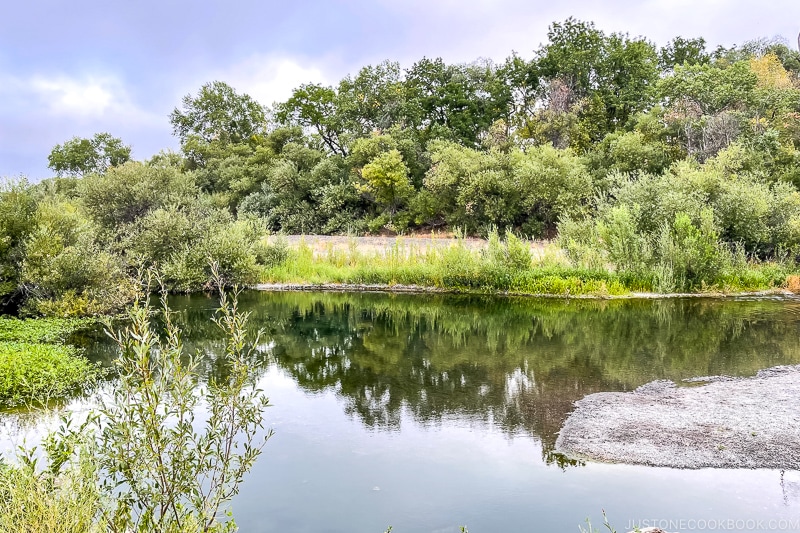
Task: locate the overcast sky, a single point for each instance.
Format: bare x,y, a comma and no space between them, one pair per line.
84,66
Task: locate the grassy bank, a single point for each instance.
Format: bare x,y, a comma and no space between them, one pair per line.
36,364
500,266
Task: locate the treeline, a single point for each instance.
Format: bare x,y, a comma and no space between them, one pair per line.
664,164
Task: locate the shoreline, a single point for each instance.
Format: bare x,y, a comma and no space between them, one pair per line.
422,289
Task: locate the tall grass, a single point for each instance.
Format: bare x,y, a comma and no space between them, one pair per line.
503,265
62,500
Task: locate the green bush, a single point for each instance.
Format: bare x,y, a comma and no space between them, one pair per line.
41,330
154,237
628,249
129,191
140,462
17,221
271,254
230,246
74,280
690,254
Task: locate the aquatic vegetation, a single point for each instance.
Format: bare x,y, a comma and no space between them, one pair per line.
35,363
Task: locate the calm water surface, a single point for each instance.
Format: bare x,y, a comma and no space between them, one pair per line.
427,412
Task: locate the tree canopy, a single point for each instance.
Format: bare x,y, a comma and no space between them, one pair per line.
78,156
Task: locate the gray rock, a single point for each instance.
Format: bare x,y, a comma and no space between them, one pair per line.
725,423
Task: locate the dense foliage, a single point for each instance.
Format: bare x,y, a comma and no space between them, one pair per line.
37,366
675,166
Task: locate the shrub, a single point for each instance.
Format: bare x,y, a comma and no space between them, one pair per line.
689,254
128,191
143,462
627,248
581,243
73,280
17,220
154,237
230,246
164,472
271,254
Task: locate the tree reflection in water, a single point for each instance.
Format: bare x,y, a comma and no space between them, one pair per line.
516,363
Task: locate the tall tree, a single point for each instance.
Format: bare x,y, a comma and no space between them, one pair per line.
627,75
373,100
680,51
218,113
316,107
457,102
573,53
79,156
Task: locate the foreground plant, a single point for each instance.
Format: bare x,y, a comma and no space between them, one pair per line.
163,454
165,475
53,489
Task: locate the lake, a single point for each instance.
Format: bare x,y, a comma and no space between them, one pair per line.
429,412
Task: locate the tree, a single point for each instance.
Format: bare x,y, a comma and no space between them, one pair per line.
601,80
680,51
627,76
387,178
572,54
218,113
455,102
373,100
77,156
315,106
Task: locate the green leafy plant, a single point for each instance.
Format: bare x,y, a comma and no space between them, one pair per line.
165,473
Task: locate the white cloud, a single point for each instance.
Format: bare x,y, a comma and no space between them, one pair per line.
82,99
270,79
77,97
39,111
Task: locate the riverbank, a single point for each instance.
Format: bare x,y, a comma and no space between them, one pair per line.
719,422
494,266
421,289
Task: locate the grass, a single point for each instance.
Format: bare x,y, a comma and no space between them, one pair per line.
455,268
502,266
35,363
35,501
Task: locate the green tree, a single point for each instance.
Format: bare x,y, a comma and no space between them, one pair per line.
455,102
680,51
711,88
316,106
374,100
386,177
79,156
627,76
573,53
219,113
593,83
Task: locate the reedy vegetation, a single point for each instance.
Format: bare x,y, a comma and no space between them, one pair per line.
163,454
671,169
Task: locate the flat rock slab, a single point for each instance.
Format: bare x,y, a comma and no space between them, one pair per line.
719,422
